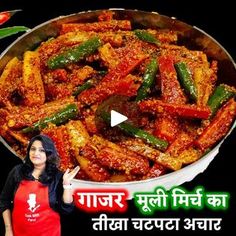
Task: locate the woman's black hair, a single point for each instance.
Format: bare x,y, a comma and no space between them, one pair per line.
52,161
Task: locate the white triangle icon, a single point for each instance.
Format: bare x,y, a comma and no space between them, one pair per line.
117,118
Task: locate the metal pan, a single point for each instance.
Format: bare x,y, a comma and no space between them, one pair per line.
190,36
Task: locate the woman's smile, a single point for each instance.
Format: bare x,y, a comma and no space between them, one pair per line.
37,153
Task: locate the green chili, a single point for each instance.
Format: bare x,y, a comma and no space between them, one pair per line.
69,112
221,94
87,85
147,37
139,133
148,79
74,54
186,80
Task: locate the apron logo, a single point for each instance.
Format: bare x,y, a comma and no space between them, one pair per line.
32,202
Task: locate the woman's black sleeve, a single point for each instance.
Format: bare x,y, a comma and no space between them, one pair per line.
7,194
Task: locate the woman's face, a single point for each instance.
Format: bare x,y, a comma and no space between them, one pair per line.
37,154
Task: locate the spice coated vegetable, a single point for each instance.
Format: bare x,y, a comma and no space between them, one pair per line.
180,110
219,125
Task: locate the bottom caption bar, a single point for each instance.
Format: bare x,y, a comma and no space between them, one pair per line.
104,223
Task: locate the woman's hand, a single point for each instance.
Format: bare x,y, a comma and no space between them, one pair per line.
69,175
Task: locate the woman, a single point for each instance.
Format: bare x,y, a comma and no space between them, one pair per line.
36,192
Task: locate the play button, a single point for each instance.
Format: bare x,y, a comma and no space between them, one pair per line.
112,112
117,118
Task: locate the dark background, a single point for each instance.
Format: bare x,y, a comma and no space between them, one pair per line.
217,20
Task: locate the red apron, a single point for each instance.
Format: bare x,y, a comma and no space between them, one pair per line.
32,214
